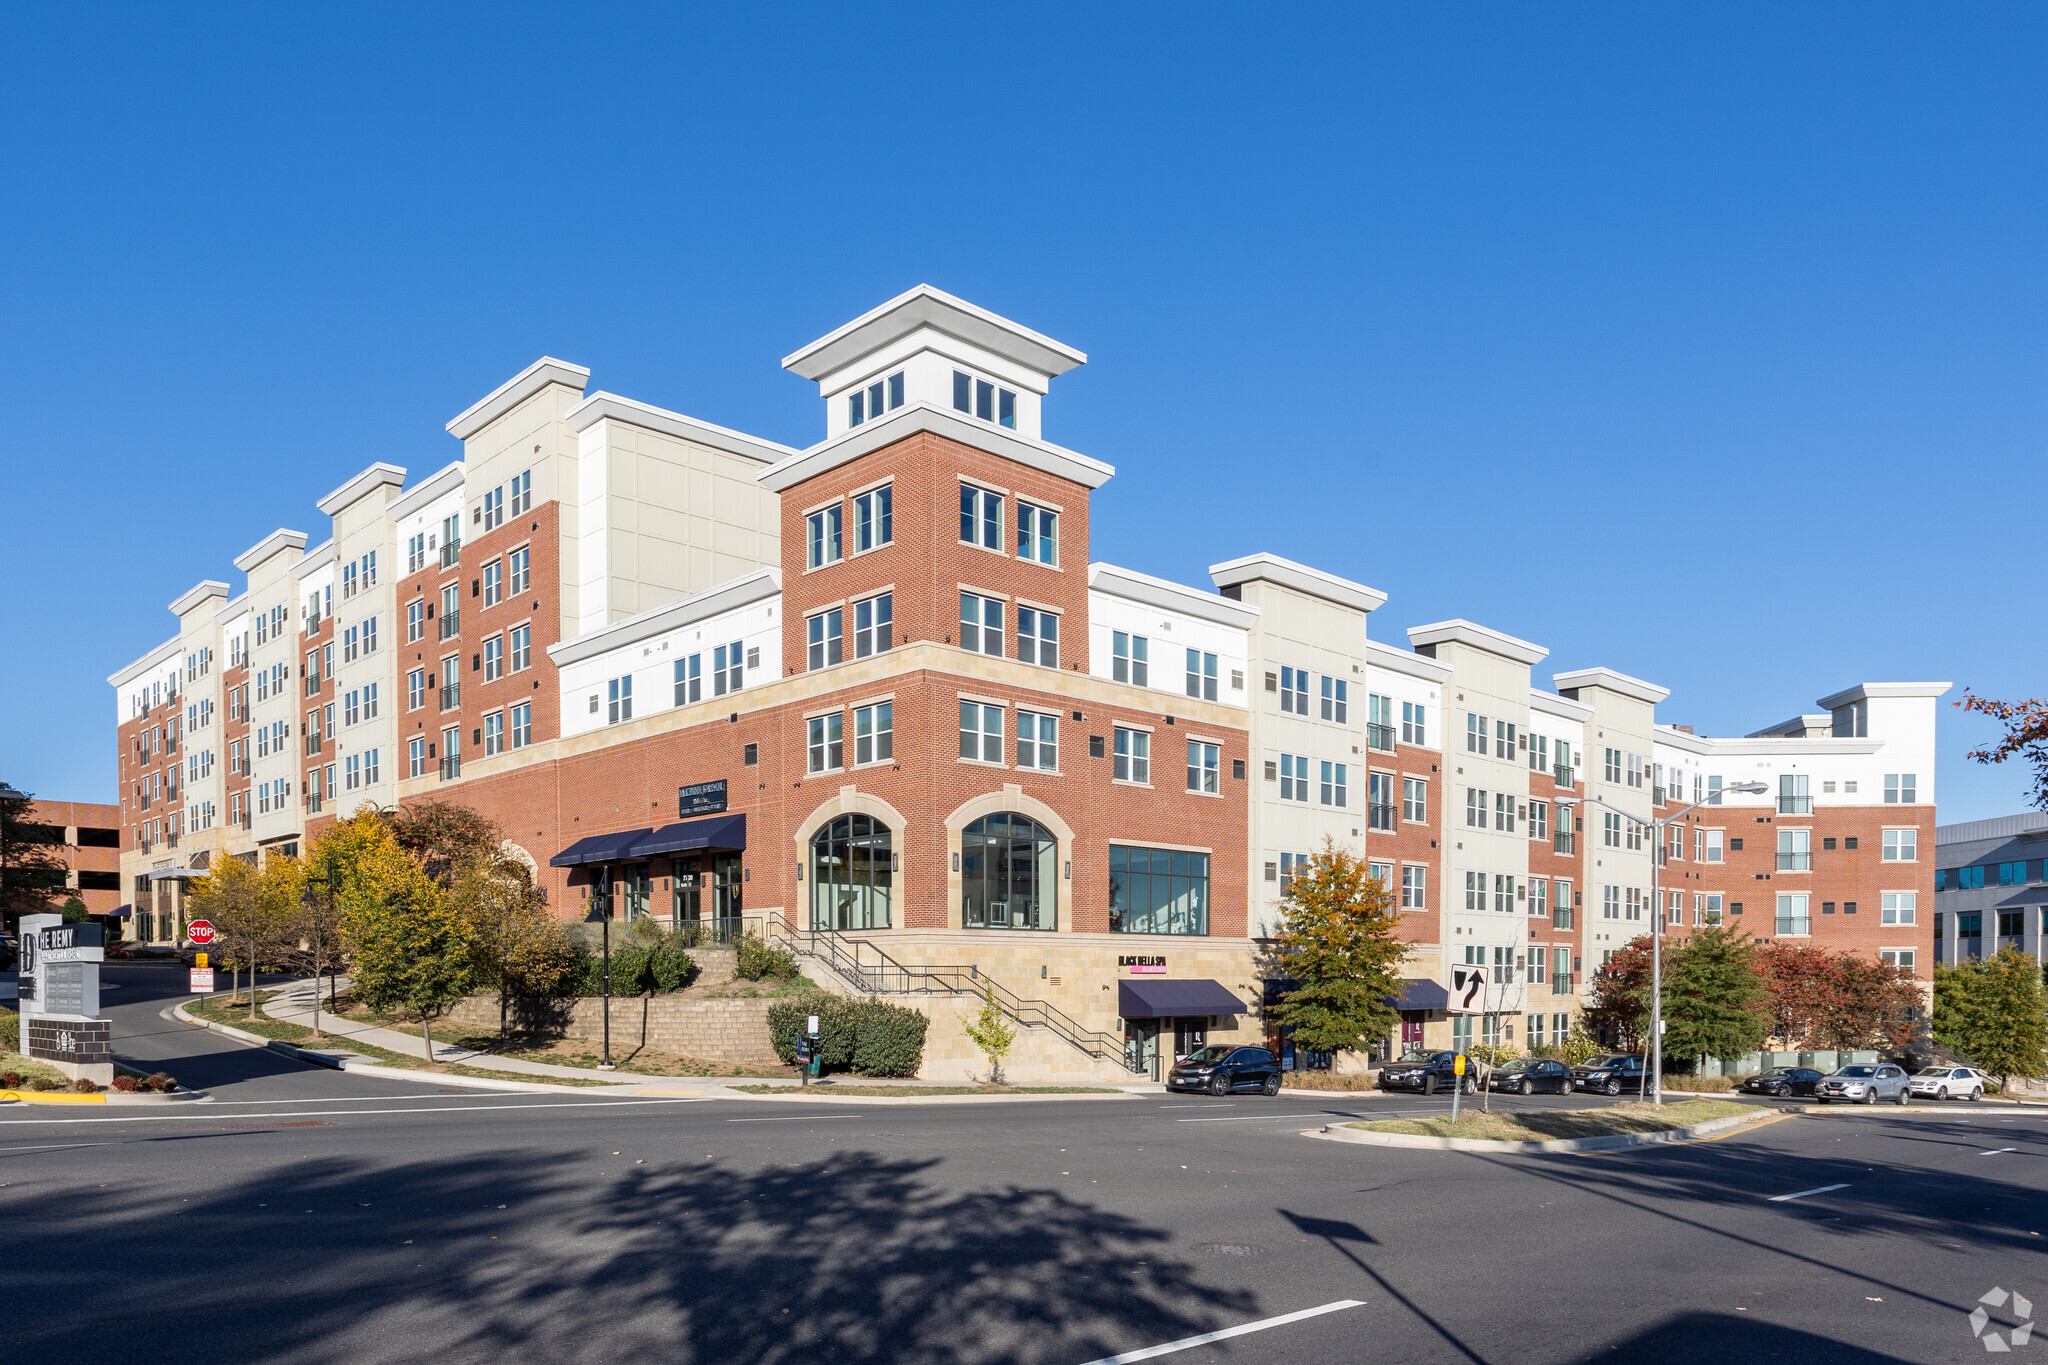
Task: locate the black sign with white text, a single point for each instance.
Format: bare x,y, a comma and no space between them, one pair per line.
705,798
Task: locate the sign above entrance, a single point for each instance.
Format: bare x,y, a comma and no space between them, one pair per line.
704,798
1155,965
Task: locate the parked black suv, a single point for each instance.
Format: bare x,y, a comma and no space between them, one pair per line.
1782,1081
1425,1073
1221,1070
1610,1075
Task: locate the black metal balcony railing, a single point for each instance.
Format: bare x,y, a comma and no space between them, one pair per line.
450,553
1795,862
1795,805
451,767
1379,736
1562,774
451,696
451,624
1561,985
1382,816
1656,796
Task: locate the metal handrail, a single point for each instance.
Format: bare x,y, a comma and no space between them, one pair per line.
869,969
1378,736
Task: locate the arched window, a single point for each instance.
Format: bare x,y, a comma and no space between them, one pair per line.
852,874
1009,874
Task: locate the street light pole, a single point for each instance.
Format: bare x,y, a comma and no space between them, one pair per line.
601,911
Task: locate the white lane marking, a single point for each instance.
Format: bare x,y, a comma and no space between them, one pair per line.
55,1146
1253,1118
349,1113
1996,1150
798,1118
1189,1343
1195,1106
1801,1194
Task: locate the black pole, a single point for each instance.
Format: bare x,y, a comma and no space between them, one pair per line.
607,907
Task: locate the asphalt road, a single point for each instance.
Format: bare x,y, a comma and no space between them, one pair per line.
310,1216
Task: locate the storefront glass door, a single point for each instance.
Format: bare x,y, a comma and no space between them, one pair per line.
1141,1046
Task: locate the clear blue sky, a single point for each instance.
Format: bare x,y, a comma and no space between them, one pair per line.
1704,344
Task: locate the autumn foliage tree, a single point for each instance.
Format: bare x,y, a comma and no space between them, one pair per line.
1619,1006
1836,1000
1337,944
407,945
256,910
514,947
2026,736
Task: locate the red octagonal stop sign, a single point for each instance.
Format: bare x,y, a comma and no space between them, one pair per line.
200,931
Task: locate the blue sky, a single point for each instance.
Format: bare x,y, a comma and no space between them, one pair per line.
1704,344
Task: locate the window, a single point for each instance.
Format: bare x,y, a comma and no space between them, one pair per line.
415,621
494,583
984,400
1130,655
822,634
826,746
1633,900
1294,690
1635,770
1201,675
1038,533
1038,741
352,768
370,635
1294,777
1561,762
1561,904
416,757
1133,755
981,517
981,624
494,733
1899,789
348,590
1635,836
1902,958
494,508
1476,731
1706,908
727,663
1414,728
1504,811
1009,874
1792,795
416,689
1415,798
1038,637
522,494
351,712
451,752
494,658
822,536
416,558
1503,894
1337,702
521,576
1475,807
522,648
1539,820
451,610
853,865
1158,891
1539,753
451,540
1539,898
1792,916
874,518
1610,768
619,700
1610,829
1903,846
1610,902
1708,846
1795,850
689,680
884,395
981,732
522,725
1504,742
1676,847
349,645
1899,907
874,625
1414,888
1675,913
874,733
1205,762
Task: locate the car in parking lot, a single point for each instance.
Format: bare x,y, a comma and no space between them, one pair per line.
1528,1075
1220,1070
1425,1073
1948,1082
1782,1082
1610,1075
1864,1083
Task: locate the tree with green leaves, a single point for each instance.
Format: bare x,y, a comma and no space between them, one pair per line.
255,909
33,873
1990,1010
514,947
1338,947
407,946
1715,1004
992,1032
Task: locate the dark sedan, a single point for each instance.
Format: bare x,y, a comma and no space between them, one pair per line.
1610,1075
1782,1082
1425,1073
1528,1075
1221,1070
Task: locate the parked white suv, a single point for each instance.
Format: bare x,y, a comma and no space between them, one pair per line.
1942,1082
1865,1083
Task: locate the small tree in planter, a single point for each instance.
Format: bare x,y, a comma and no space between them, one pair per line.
992,1032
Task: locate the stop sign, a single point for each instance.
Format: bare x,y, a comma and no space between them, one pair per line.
200,931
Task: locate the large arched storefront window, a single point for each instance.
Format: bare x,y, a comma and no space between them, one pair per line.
852,874
1009,874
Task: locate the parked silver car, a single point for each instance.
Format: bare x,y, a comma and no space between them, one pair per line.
1865,1083
1942,1082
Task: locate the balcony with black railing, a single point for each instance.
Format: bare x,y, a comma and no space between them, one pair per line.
451,696
1379,736
1561,774
451,624
451,552
1795,805
451,767
1381,816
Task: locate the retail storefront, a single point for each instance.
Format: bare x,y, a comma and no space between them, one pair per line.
688,874
1166,1020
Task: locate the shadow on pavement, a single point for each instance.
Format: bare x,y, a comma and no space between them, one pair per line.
1722,1338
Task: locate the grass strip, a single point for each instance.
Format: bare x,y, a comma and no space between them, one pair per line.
836,1088
574,1052
1556,1124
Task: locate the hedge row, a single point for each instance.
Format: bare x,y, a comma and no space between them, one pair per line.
658,964
871,1037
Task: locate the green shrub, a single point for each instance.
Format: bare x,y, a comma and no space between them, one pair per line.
671,965
40,1083
870,1037
10,1031
888,1039
786,1018
645,958
754,960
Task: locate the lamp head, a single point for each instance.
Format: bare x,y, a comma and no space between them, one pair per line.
1747,788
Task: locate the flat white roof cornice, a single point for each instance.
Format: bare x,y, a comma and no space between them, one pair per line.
1613,682
1133,586
926,306
514,391
315,559
379,475
162,654
1869,690
754,587
446,479
1550,704
1300,577
908,421
198,593
1393,659
601,405
271,544
1460,631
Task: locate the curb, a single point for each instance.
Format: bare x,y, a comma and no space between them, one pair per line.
49,1097
1613,1143
827,1097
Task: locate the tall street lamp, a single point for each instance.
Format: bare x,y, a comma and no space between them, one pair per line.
601,913
1657,827
325,881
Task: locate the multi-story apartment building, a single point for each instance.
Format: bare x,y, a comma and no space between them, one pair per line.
879,689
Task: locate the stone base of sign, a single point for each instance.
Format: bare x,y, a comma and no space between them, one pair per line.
76,1047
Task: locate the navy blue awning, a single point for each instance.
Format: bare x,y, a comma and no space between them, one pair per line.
1422,995
121,912
1175,999
598,848
727,833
